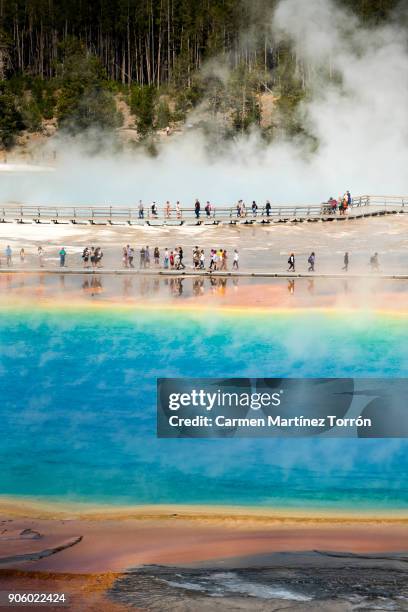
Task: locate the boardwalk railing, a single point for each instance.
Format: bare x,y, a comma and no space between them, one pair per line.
219,214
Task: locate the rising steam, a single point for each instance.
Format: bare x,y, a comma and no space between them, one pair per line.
356,109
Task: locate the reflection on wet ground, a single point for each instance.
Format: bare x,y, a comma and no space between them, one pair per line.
217,291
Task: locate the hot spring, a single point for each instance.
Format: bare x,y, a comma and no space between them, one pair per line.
78,409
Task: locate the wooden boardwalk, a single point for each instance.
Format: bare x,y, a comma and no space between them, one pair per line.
199,273
363,206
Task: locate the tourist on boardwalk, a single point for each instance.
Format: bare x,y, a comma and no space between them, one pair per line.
142,262
374,263
213,260
93,257
235,263
196,258
268,208
99,257
167,209
130,256
220,255
85,257
178,210
254,208
125,256
202,260
62,256
40,252
171,260
180,259
291,262
346,261
156,256
311,261
349,199
9,254
197,208
147,257
208,209
224,260
22,255
340,205
332,203
166,260
141,210
154,209
345,202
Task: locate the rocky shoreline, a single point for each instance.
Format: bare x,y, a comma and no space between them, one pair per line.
294,581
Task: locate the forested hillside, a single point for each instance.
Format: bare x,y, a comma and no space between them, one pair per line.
81,63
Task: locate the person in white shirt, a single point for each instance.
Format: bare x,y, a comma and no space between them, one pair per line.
235,263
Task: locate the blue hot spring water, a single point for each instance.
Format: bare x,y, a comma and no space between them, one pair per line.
78,404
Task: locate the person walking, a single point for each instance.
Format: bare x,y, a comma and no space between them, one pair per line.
130,256
291,262
125,256
22,255
224,259
197,208
93,257
346,261
311,262
141,210
84,256
62,257
99,257
235,263
9,255
268,208
40,252
374,263
166,259
196,258
212,259
142,258
254,208
180,259
156,256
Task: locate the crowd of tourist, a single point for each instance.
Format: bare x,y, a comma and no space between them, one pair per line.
92,257
173,259
240,209
216,260
341,205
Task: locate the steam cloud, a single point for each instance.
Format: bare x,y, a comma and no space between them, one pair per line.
359,119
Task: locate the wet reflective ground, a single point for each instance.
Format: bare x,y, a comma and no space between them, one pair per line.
369,293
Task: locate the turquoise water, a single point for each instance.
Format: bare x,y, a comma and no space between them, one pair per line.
78,417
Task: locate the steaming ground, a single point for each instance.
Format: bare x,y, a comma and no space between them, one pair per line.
261,248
